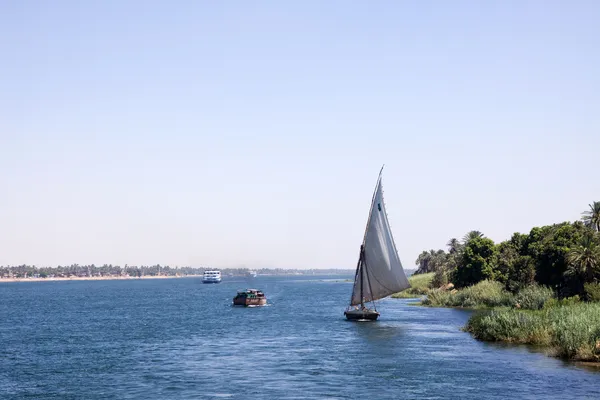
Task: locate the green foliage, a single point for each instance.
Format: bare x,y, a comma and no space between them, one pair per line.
511,326
573,331
475,263
591,217
440,278
533,297
472,235
576,330
592,291
430,261
454,246
567,301
584,259
521,274
419,286
486,294
548,247
482,295
561,256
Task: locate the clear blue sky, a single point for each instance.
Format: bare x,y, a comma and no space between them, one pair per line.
251,133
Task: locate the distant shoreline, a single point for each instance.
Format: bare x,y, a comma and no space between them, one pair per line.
95,278
127,277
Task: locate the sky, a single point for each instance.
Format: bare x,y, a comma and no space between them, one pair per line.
251,134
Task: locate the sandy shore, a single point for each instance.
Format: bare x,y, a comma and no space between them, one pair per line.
94,278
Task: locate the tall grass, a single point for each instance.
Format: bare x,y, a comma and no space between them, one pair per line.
482,295
532,316
572,330
533,297
487,294
419,286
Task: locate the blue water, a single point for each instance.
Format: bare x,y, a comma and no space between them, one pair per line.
181,339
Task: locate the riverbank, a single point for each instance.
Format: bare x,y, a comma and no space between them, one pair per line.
569,331
94,278
567,328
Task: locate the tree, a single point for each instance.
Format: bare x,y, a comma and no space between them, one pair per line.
431,261
423,262
472,235
513,266
454,246
548,247
591,218
475,263
584,259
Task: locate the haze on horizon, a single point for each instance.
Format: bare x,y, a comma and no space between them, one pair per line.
251,133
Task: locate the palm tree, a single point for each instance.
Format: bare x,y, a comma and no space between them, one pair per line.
472,235
591,218
423,262
438,260
584,260
453,246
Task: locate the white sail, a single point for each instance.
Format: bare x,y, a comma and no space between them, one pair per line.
381,273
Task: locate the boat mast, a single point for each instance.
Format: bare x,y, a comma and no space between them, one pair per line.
368,282
362,261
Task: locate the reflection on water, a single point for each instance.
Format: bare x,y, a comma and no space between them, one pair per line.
378,331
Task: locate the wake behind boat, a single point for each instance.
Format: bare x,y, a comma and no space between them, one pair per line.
379,272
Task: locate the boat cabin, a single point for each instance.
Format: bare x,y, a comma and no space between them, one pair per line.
250,293
250,297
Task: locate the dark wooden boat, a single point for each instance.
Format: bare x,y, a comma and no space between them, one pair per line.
249,297
362,314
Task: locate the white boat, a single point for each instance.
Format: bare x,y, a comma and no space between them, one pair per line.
211,276
251,274
379,272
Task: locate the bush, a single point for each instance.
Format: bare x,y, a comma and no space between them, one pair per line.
577,331
567,301
440,278
419,286
592,291
509,326
533,297
573,330
484,294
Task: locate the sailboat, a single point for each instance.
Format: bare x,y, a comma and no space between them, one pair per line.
379,272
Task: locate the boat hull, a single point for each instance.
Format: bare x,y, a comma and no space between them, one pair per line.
361,315
211,280
240,301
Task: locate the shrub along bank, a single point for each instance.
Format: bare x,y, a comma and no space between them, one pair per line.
540,288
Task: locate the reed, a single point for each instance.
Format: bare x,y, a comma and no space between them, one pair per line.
485,294
570,328
419,286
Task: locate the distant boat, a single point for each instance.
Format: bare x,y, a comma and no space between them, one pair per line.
211,276
251,274
379,272
249,297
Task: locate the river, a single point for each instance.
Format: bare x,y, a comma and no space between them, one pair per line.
181,339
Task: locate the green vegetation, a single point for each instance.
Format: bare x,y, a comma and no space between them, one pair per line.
539,288
489,294
484,294
419,286
571,330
